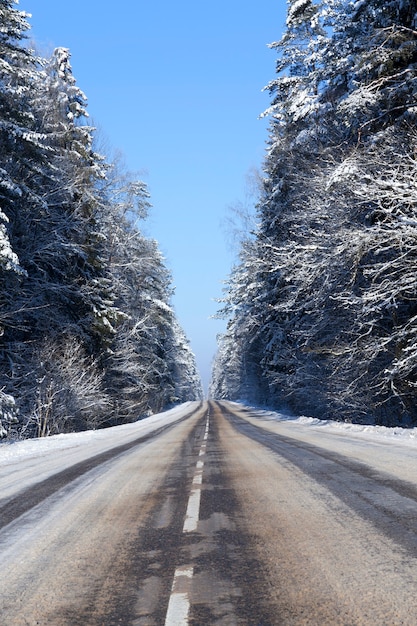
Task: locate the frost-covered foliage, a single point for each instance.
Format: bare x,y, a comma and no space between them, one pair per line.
324,320
87,333
8,413
9,261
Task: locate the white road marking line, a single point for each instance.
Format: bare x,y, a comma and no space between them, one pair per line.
198,478
193,510
179,601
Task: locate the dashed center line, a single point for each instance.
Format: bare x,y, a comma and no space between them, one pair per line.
193,508
179,600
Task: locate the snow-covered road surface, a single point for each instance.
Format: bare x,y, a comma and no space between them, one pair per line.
229,516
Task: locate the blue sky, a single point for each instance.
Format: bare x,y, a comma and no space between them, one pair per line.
176,87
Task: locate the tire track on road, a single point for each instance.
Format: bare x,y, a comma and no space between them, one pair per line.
31,497
388,503
103,550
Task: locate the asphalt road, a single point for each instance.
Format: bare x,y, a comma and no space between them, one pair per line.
218,518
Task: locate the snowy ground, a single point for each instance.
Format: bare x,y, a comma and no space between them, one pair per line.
99,439
27,462
397,435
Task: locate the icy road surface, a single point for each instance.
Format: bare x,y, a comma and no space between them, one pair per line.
212,513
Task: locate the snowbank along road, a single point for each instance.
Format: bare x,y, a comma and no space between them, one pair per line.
209,514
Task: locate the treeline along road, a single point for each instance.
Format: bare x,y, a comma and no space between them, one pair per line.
219,516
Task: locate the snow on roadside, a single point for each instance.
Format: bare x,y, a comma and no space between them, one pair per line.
100,440
382,434
13,451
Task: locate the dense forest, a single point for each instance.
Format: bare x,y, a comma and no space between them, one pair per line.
322,303
88,337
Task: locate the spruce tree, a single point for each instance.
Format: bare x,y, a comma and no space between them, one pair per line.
335,246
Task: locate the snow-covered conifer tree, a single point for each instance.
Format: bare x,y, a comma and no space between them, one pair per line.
335,314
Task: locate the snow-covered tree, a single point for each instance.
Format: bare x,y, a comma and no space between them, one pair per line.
295,89
18,139
145,367
22,151
333,311
87,333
